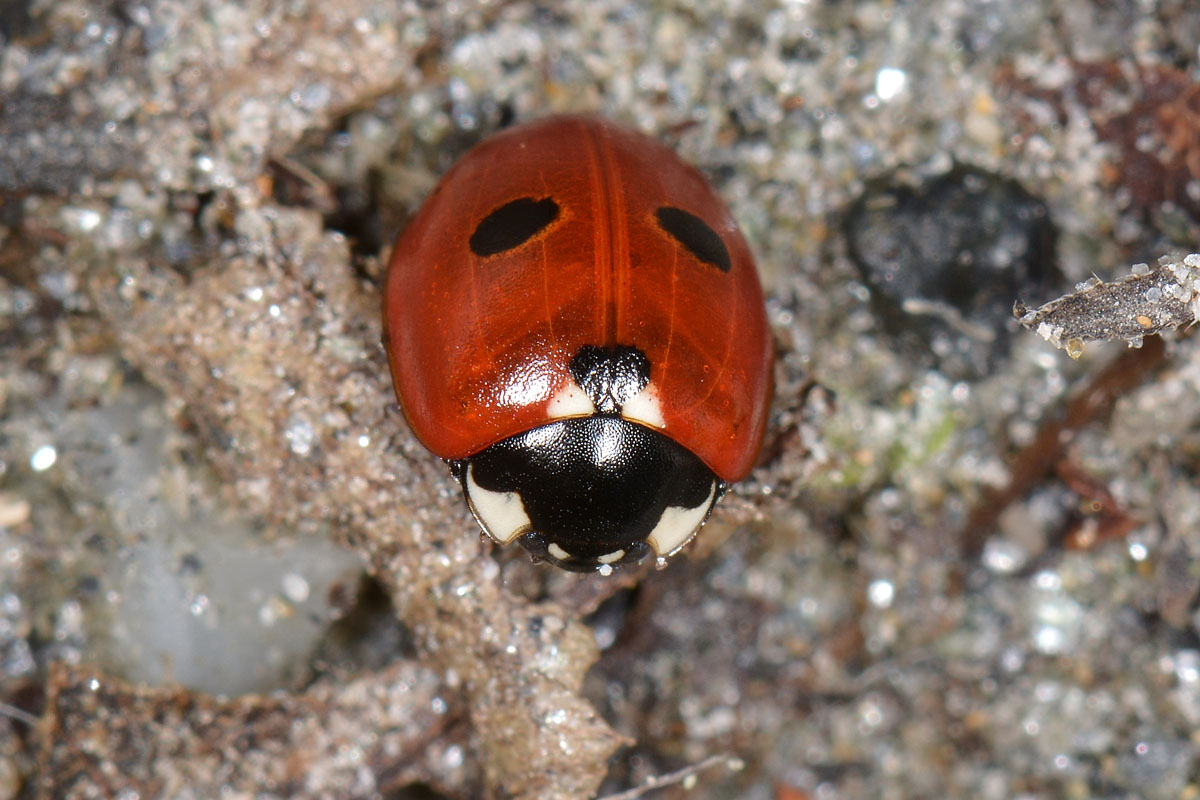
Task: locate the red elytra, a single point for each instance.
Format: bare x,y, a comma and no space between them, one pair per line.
480,345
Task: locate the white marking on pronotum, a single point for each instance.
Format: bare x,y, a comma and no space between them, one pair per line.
569,402
677,526
609,558
556,551
645,408
502,514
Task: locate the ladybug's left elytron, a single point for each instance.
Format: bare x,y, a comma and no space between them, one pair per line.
574,321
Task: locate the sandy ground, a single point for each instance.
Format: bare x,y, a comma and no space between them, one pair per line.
964,567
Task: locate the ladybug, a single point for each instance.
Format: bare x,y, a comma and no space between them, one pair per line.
574,322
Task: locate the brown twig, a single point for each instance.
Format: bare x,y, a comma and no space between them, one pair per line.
1105,520
1095,402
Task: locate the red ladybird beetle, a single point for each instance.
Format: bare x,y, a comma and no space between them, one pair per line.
573,320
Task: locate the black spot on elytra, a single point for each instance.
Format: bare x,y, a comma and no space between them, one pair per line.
611,376
696,235
512,224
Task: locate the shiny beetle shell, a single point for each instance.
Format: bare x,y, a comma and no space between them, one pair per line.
574,321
